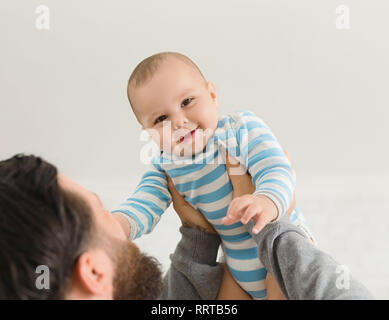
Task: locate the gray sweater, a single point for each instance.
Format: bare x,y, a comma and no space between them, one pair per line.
301,269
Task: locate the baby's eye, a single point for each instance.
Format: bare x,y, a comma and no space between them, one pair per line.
186,102
159,119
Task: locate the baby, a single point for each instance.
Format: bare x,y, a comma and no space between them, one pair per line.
172,101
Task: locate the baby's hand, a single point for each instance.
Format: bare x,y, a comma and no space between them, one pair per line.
259,207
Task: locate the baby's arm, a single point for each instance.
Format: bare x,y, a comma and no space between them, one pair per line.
271,172
140,213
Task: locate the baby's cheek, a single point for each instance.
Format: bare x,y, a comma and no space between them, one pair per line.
166,144
208,120
156,138
160,138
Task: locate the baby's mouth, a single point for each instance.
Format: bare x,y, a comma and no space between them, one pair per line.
190,135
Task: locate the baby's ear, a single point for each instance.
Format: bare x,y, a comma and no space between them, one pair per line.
212,90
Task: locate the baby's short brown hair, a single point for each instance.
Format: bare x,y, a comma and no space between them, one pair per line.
145,70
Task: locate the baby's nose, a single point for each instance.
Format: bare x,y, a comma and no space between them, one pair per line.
179,122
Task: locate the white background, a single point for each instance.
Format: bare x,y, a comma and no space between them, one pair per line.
324,91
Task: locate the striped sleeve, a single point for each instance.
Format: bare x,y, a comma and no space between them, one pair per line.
150,200
262,155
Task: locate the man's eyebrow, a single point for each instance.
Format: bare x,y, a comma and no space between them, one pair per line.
98,198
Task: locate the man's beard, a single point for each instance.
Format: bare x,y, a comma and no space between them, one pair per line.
137,276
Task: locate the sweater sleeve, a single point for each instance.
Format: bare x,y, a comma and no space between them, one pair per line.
302,271
150,200
194,273
262,155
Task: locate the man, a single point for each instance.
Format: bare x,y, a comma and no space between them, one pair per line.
48,220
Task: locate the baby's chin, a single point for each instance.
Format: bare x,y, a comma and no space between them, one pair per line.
187,151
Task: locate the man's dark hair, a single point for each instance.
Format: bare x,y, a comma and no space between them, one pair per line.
40,224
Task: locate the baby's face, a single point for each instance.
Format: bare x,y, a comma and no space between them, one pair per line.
177,107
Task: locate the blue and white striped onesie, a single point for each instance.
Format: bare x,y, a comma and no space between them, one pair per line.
204,182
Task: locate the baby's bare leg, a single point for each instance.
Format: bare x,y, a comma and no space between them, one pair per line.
230,289
273,290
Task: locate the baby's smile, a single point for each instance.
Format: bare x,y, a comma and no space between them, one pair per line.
189,137
189,141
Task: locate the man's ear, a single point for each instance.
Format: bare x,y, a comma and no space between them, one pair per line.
94,272
212,90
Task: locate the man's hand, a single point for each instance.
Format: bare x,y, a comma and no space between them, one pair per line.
243,199
242,184
249,206
189,216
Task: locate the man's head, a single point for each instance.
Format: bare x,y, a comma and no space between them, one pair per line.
172,100
47,219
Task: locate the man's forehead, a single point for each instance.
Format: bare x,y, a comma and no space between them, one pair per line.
90,198
70,185
67,183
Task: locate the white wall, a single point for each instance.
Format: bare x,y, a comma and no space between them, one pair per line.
322,90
